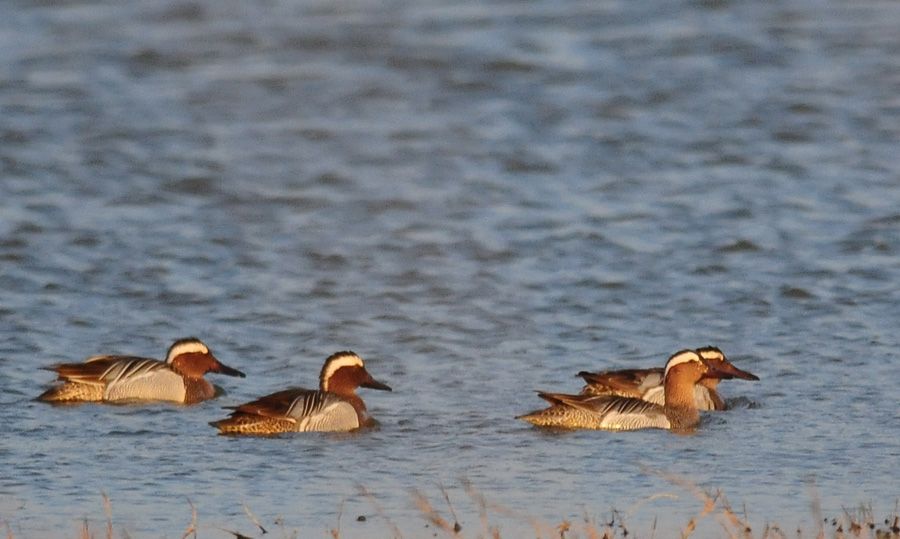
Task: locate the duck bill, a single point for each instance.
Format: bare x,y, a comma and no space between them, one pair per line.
372,383
222,368
727,371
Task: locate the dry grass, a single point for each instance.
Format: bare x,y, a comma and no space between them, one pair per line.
192,527
441,520
395,530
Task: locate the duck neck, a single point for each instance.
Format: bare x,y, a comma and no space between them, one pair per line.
345,388
711,394
680,407
197,390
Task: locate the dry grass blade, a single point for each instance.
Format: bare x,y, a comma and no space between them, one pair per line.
869,516
730,533
336,532
689,528
481,504
737,524
540,529
430,513
816,508
631,511
773,531
709,500
107,508
279,521
638,504
591,531
85,532
253,518
853,525
622,524
192,527
456,525
237,535
380,511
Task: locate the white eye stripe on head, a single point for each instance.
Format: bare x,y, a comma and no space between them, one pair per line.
186,347
685,356
711,353
339,361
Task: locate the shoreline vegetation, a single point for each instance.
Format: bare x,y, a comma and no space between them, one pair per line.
442,521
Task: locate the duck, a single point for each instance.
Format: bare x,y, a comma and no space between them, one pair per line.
647,384
117,378
334,407
684,370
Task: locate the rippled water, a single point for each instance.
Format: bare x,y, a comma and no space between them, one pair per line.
482,199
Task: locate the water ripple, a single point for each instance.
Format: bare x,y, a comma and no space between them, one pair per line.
479,198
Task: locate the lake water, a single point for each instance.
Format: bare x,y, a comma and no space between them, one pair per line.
481,199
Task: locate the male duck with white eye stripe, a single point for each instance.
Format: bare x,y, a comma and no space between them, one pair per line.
122,378
647,384
682,372
334,407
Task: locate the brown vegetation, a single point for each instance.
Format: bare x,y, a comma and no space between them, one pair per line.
859,523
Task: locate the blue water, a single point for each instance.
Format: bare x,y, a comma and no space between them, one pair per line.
481,199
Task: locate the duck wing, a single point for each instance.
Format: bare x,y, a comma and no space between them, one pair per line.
278,404
309,410
102,370
613,412
625,382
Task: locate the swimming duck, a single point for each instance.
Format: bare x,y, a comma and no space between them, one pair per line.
335,406
682,372
110,378
647,384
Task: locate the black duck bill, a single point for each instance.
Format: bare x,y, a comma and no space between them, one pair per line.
726,371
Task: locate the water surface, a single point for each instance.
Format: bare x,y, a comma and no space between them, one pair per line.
480,198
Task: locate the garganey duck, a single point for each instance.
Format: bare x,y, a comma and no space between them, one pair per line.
334,407
647,384
612,412
121,378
